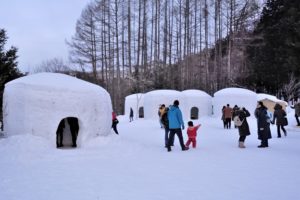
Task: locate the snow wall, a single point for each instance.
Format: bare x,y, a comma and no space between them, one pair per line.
196,99
234,96
134,101
155,98
36,104
187,100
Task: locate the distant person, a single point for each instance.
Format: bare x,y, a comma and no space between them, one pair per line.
223,116
74,127
175,125
131,115
243,127
263,125
297,111
161,111
281,120
59,134
228,116
115,121
192,134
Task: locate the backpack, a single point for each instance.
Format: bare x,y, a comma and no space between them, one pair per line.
237,121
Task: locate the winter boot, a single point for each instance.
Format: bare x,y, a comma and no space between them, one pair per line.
241,145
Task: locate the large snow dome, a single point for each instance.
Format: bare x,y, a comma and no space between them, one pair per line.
153,99
136,102
196,103
234,96
37,103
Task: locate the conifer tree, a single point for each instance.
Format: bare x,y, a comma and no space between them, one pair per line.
8,65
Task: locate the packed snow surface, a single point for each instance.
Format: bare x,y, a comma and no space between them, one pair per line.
135,166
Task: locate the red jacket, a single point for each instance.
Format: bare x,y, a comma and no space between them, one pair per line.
114,116
192,131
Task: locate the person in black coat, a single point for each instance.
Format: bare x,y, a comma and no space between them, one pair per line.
263,125
59,134
280,116
131,115
244,131
74,127
165,122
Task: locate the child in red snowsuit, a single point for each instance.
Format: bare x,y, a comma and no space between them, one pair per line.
192,134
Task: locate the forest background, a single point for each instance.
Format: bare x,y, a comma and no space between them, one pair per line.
135,46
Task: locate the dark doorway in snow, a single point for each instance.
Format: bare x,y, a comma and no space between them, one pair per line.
67,133
194,113
141,112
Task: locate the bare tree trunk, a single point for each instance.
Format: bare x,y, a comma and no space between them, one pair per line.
129,36
206,46
139,34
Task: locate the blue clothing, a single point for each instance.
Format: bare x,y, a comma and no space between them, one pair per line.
175,118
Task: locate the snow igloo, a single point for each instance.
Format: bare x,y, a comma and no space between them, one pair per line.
36,104
136,102
234,96
155,98
196,104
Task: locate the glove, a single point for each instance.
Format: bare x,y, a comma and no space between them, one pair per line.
182,127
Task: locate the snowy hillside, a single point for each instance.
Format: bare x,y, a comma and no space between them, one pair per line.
135,166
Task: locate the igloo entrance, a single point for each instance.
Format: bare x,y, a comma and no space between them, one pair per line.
194,113
67,132
141,112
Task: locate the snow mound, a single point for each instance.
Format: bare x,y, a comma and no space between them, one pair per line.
39,102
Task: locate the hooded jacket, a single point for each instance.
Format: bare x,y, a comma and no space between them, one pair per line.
175,118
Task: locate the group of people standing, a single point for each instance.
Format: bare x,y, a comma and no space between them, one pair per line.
171,120
239,116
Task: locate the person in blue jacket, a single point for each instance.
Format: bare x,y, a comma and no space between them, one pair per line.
175,125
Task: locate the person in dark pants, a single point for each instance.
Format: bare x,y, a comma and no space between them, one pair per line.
131,115
74,127
244,131
115,121
175,125
263,125
279,115
165,122
228,116
59,134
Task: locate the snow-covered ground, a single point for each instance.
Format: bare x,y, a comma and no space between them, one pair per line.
135,166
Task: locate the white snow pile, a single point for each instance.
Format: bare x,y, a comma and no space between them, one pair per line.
197,99
134,101
234,96
36,104
155,98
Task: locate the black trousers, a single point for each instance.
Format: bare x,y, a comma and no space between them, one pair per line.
278,130
264,142
228,123
242,138
178,132
114,126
